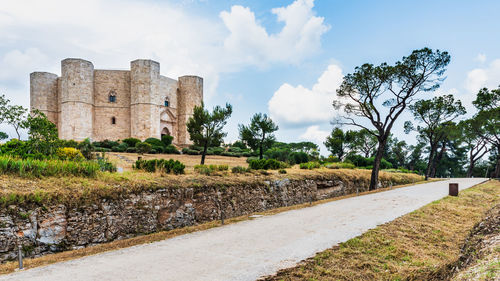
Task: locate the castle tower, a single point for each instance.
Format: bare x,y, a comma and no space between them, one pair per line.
144,89
43,94
77,99
190,95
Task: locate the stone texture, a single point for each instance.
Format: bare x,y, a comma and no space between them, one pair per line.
78,101
56,228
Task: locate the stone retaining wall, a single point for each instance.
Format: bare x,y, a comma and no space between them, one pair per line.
49,229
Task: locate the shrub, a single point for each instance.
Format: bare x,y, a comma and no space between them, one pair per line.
170,149
131,150
203,169
230,154
131,142
15,147
69,153
86,148
282,171
158,149
267,164
249,159
341,165
106,166
68,143
215,150
42,168
239,170
102,149
105,144
155,142
310,165
167,140
143,147
122,147
166,166
298,157
190,151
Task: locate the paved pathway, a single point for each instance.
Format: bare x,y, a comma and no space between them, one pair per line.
249,249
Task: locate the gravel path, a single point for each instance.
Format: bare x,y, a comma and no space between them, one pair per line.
249,249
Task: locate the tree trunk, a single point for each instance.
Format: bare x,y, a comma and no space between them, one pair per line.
469,170
261,152
205,147
429,163
376,166
496,173
437,160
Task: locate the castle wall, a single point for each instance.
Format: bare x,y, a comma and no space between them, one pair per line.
144,91
106,81
168,115
77,99
190,95
43,94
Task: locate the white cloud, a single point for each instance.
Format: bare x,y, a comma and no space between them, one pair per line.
250,43
37,35
483,77
315,134
481,57
300,105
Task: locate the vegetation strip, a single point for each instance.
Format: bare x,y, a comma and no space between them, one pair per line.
417,246
10,267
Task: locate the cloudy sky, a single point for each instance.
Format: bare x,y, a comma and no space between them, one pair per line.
284,58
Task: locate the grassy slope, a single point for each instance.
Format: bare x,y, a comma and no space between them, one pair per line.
417,246
72,190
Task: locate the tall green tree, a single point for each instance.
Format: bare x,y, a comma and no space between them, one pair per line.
259,134
15,115
42,133
380,94
364,142
488,118
3,136
205,128
436,116
476,145
4,102
339,143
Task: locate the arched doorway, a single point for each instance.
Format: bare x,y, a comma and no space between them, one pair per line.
165,132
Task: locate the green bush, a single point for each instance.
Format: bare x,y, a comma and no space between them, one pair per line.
143,147
69,153
155,142
190,151
282,171
131,150
86,148
267,164
341,165
68,143
215,150
158,149
105,144
203,169
310,165
47,168
131,142
166,166
170,149
239,170
106,166
167,140
298,157
122,147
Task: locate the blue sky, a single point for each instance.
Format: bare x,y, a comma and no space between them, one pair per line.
284,58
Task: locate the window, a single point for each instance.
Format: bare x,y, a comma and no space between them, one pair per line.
167,103
113,120
112,96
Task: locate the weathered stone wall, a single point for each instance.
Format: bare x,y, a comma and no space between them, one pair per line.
105,82
61,227
190,95
77,99
43,94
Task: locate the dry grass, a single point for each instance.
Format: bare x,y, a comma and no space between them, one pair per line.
417,246
77,190
10,267
189,160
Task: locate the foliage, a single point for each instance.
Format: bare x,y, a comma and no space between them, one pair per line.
143,147
86,148
282,171
47,168
341,165
258,135
205,128
131,142
3,136
155,142
267,164
166,166
167,140
239,170
122,147
360,161
210,169
69,153
293,153
393,86
42,133
106,166
170,149
310,165
339,143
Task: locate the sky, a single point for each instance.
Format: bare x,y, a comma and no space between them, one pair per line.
282,58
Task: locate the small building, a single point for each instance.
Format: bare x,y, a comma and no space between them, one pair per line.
116,104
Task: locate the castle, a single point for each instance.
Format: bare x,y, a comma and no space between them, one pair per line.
116,104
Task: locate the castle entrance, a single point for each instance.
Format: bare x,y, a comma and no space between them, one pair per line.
165,132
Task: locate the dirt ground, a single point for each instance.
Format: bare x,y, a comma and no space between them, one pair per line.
125,160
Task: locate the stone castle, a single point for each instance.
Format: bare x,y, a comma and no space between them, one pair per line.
116,104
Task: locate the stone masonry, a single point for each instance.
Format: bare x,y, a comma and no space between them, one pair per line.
116,104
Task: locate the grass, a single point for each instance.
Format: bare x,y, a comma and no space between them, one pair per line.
418,246
73,190
47,168
10,267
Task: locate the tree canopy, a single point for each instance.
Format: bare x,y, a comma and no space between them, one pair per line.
258,135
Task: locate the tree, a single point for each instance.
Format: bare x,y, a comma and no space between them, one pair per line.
3,136
259,134
143,147
15,115
4,102
370,89
488,118
205,128
339,143
364,142
42,132
436,115
475,143
415,162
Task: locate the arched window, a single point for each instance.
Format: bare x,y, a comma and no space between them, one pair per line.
167,102
112,96
113,120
